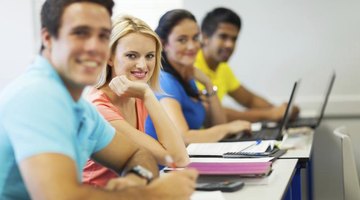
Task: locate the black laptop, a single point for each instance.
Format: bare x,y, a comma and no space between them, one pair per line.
268,133
314,122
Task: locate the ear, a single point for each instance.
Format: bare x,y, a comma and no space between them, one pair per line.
46,38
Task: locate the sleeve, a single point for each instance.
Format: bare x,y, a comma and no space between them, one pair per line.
171,87
105,107
108,112
39,120
232,82
103,133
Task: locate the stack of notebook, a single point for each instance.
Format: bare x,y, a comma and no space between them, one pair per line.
253,167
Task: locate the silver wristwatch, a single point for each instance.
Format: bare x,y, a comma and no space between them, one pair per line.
142,172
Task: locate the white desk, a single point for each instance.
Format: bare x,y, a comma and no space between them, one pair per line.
303,151
278,182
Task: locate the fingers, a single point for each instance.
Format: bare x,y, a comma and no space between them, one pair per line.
111,184
190,173
119,85
118,184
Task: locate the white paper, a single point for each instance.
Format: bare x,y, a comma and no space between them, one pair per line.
219,148
211,195
231,160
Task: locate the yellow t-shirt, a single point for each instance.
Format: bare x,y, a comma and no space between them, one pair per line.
223,78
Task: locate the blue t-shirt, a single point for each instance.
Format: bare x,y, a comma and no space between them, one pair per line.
38,115
193,110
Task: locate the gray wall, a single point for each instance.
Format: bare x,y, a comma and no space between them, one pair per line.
282,41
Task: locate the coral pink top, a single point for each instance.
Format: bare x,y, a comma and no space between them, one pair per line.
94,173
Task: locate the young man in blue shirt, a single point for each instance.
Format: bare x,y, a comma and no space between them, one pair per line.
47,131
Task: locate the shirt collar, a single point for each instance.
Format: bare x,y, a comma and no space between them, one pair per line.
44,65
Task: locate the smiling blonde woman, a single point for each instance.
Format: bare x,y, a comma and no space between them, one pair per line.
124,96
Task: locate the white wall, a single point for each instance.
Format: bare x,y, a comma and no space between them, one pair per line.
282,41
17,39
149,11
20,35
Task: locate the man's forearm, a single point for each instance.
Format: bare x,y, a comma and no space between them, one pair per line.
144,158
252,115
260,102
129,193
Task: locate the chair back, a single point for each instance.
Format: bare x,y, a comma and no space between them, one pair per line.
350,175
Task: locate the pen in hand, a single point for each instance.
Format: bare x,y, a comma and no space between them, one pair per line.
170,162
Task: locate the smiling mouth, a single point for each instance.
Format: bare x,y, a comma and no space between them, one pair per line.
139,75
90,64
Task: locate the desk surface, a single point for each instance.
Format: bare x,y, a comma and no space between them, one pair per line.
278,182
303,150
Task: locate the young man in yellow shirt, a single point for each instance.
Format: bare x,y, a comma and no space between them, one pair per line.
220,29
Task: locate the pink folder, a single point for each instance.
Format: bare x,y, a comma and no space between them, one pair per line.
243,169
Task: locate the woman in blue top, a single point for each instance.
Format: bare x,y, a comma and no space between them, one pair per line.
188,109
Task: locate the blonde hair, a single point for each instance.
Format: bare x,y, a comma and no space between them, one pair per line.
123,25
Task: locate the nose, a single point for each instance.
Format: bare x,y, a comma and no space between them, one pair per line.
94,45
192,45
229,43
141,64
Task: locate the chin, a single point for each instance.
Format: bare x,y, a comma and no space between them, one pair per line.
87,81
141,80
224,59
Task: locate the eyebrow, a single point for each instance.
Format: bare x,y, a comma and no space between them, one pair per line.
85,27
136,52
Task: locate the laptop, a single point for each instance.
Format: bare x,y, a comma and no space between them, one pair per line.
314,122
275,133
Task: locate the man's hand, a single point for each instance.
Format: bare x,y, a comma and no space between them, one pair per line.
177,185
276,113
122,86
129,180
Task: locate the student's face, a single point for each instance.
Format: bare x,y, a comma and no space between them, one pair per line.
222,43
135,57
183,43
82,47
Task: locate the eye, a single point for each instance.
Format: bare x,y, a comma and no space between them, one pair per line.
105,36
196,38
81,33
150,56
131,56
182,40
223,36
234,39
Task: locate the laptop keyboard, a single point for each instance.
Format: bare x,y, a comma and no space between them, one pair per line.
267,134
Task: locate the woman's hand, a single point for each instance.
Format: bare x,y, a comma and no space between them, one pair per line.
203,79
238,126
124,87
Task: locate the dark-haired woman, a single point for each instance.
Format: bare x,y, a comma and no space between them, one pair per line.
189,109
